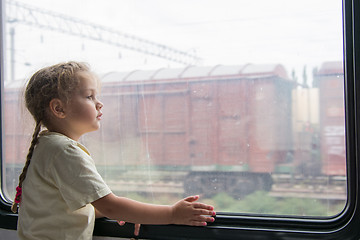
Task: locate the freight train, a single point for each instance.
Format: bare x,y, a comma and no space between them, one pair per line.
227,127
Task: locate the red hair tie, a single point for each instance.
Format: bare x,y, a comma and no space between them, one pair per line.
18,194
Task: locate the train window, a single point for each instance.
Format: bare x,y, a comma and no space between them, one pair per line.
241,102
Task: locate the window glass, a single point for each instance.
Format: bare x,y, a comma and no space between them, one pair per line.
238,101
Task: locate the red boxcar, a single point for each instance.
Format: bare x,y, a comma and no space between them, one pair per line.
330,80
211,121
203,116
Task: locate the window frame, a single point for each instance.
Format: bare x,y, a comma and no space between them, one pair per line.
226,226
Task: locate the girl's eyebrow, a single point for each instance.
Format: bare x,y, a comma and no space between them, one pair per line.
88,89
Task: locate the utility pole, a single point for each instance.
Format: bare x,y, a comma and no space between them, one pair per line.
12,54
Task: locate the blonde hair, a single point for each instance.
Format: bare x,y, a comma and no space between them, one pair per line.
57,81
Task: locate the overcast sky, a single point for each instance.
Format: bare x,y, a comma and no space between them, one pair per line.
231,32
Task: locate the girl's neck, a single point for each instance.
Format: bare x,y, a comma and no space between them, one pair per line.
60,128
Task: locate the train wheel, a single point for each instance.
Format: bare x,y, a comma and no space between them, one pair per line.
265,182
241,185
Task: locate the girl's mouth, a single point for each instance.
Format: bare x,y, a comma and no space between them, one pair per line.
99,116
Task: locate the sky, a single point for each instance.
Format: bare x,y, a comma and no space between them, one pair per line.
229,32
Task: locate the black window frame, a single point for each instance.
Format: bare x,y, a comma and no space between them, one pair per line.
235,226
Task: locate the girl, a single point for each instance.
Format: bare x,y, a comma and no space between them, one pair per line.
60,191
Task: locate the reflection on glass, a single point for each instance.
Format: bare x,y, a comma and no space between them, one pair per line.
255,126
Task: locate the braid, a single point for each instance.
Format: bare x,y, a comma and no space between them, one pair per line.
27,163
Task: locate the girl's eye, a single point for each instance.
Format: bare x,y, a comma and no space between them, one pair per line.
91,97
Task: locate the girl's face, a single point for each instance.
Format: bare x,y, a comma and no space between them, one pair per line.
84,109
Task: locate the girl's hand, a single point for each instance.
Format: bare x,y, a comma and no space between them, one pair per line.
137,227
189,212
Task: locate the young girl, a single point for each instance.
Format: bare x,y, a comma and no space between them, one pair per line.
60,191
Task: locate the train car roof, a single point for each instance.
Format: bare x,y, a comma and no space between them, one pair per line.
195,72
330,68
189,72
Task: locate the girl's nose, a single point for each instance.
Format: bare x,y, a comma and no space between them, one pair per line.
99,105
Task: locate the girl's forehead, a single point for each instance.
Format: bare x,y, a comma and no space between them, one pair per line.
88,81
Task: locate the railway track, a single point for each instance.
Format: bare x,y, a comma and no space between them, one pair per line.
322,188
298,191
283,187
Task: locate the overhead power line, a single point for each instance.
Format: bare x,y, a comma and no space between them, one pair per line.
17,12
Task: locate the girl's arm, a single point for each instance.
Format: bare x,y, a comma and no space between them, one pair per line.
121,223
185,211
98,214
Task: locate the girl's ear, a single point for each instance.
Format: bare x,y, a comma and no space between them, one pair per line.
57,108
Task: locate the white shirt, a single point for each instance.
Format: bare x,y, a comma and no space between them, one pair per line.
60,184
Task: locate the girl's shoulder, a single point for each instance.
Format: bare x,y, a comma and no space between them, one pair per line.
57,142
54,139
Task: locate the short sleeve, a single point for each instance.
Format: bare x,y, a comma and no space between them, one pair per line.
75,174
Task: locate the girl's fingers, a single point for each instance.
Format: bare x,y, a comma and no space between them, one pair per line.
137,229
204,212
192,198
201,222
203,219
203,209
121,223
196,223
203,206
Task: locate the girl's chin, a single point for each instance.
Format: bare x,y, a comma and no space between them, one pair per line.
94,128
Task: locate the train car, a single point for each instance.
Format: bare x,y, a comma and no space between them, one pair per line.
319,134
329,79
204,120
